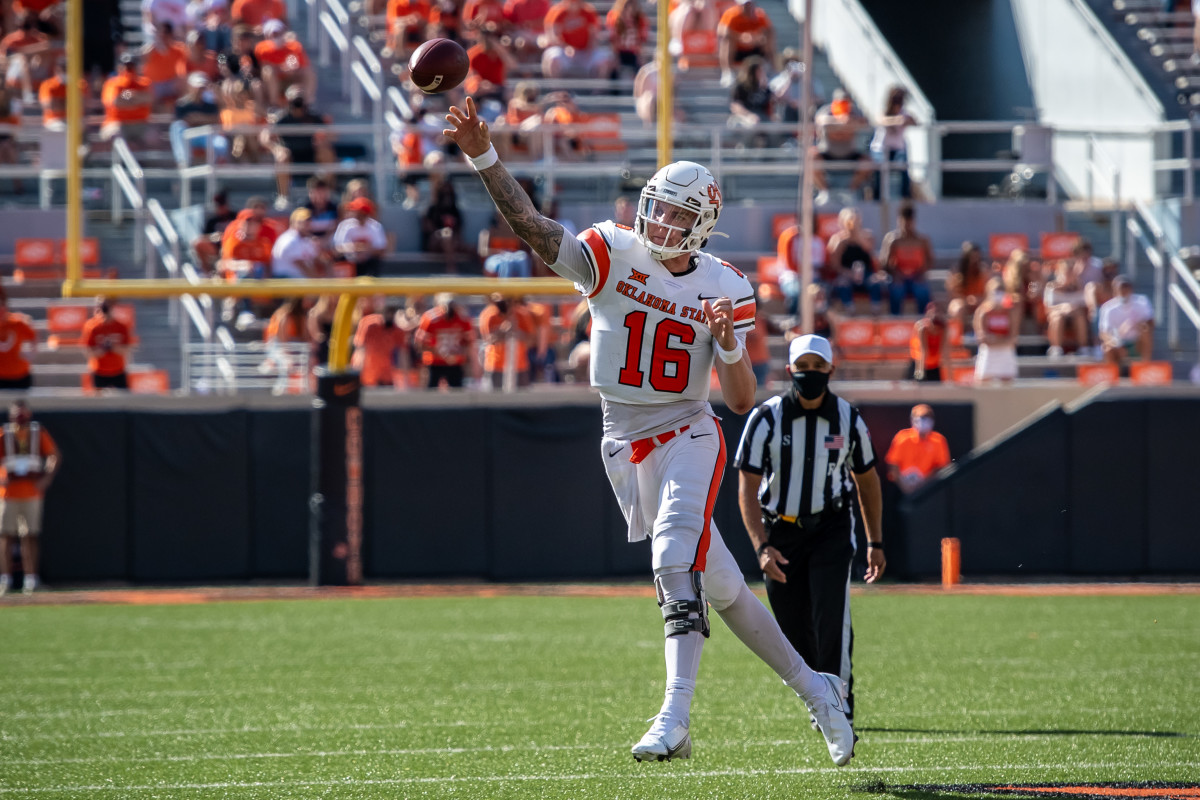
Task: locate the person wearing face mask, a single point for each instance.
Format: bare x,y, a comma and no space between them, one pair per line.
800,457
916,453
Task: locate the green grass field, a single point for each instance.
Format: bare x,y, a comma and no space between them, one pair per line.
517,697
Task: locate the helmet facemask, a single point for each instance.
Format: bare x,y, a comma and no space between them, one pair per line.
682,200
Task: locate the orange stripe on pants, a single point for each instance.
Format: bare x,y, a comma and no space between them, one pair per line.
714,488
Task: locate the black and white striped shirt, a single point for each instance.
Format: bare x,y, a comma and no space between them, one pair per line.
805,457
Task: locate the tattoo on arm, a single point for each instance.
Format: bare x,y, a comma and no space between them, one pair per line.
542,234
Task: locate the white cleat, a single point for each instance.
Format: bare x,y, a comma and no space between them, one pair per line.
828,709
660,744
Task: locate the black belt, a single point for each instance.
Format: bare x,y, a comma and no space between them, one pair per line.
810,521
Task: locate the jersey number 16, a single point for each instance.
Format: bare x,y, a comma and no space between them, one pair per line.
661,354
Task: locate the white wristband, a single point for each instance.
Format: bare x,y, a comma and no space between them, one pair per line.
729,356
480,163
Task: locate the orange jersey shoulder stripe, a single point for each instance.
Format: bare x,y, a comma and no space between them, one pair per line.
599,249
743,312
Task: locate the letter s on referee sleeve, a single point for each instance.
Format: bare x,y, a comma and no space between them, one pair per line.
860,439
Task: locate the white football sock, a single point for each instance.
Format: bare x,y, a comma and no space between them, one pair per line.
682,653
751,622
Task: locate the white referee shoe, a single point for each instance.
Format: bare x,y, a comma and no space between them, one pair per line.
828,708
666,739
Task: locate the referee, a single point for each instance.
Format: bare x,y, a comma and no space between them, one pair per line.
797,457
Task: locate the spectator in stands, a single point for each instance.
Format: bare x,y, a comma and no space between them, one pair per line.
888,143
907,256
517,131
360,238
355,188
30,461
208,244
1088,265
195,108
1065,308
127,97
787,251
838,127
284,64
506,329
527,24
303,148
645,94
255,13
10,114
156,13
323,212
17,339
240,113
628,30
47,13
751,98
744,30
788,84
108,341
503,253
288,323
563,112
406,21
917,453
379,345
572,48
199,11
246,249
52,96
490,63
1022,283
25,50
996,326
320,328
213,28
296,253
850,256
165,64
929,346
445,337
1099,292
1126,322
445,20
441,224
240,63
479,16
692,26
966,283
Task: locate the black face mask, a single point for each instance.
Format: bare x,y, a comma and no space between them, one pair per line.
502,306
810,385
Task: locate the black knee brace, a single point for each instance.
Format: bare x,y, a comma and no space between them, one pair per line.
678,613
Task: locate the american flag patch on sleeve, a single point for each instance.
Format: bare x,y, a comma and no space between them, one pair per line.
835,442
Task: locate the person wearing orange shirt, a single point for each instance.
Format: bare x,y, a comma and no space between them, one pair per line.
255,12
165,65
245,251
929,346
379,342
484,15
127,97
489,68
507,327
284,63
52,96
571,27
744,30
444,337
406,21
527,22
16,336
30,461
107,340
917,452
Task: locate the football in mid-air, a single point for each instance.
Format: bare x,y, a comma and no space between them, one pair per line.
438,66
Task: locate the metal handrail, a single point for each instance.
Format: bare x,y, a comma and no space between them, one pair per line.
129,177
1171,276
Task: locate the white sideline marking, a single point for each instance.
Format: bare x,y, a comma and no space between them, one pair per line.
576,777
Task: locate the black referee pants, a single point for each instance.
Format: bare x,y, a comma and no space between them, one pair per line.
813,607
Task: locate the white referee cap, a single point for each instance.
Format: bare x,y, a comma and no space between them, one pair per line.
810,343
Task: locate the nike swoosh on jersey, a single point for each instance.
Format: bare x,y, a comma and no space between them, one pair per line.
698,435
614,452
702,297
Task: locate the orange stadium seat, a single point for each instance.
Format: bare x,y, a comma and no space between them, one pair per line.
151,381
46,259
857,339
769,269
962,376
1060,245
699,50
1150,373
65,324
602,133
894,336
1094,374
1001,245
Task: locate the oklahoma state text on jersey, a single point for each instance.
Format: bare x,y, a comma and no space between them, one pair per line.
650,340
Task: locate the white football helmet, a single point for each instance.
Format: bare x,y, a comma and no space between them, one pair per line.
681,197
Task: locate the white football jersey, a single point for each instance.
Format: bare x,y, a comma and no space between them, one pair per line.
650,343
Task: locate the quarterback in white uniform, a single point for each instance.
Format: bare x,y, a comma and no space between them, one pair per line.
663,315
